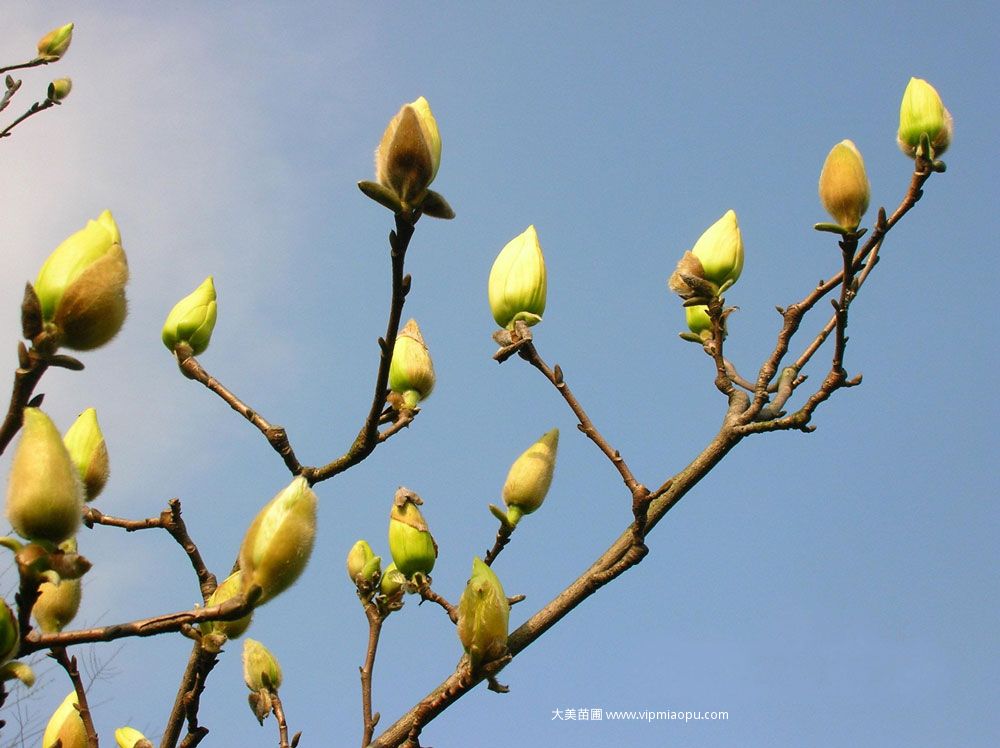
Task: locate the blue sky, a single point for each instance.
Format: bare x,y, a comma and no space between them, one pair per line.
826,589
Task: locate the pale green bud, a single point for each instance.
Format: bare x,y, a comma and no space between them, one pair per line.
59,89
362,563
843,185
530,476
129,737
81,286
411,371
720,251
66,726
517,282
410,542
230,588
279,541
57,604
261,671
698,320
392,581
44,494
920,112
85,443
409,155
10,633
483,616
54,44
192,319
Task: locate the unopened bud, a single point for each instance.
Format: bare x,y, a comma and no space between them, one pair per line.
483,616
279,541
57,604
10,633
698,321
85,443
843,185
410,542
923,113
720,251
44,495
66,726
411,371
392,581
261,671
409,155
362,563
228,589
54,44
530,476
517,284
81,286
59,89
129,737
192,319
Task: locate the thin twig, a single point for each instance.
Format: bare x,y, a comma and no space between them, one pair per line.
503,537
23,65
279,714
69,665
426,593
26,378
32,111
188,699
375,619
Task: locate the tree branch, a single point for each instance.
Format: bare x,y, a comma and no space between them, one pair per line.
26,377
69,665
375,619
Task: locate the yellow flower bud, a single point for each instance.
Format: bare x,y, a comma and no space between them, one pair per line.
409,155
698,320
44,495
81,286
720,251
530,476
192,319
59,89
57,604
410,542
483,616
392,581
517,282
411,371
278,543
843,185
54,44
920,112
85,444
66,726
230,588
129,737
10,633
261,671
362,563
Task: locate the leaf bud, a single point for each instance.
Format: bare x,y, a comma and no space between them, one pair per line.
10,633
517,283
59,89
923,113
129,737
81,286
192,319
483,616
226,590
392,581
362,563
85,443
843,185
410,542
409,154
720,251
411,371
530,476
698,321
54,44
279,541
261,671
66,726
44,495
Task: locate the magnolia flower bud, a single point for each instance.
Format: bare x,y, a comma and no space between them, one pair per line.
66,726
843,185
192,319
230,588
57,604
409,155
698,321
411,371
410,542
59,89
530,476
362,563
517,281
279,541
85,444
44,495
392,581
720,251
922,111
10,633
54,44
483,616
81,286
261,671
129,737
